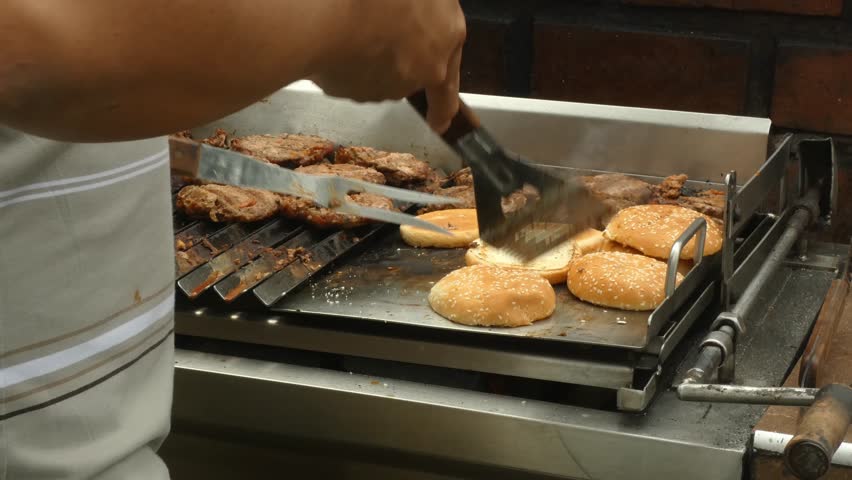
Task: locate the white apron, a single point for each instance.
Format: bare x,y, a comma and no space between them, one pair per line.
86,309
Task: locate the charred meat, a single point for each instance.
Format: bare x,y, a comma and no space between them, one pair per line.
305,210
671,187
218,139
462,177
465,193
284,149
345,170
399,169
434,182
708,202
617,192
225,203
670,192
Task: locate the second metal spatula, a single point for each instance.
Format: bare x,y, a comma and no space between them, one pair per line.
558,209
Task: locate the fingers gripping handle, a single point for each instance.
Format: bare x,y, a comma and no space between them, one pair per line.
463,123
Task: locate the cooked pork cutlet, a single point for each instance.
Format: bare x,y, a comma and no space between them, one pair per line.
225,203
284,149
345,170
398,168
305,210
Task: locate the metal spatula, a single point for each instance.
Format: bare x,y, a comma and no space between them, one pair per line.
205,162
562,207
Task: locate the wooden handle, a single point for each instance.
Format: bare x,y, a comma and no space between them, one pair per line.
463,123
820,433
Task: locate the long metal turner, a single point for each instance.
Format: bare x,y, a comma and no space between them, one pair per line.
227,167
563,207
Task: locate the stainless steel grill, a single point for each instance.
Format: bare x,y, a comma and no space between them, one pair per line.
370,280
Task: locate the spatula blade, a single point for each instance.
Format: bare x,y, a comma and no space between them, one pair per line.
560,213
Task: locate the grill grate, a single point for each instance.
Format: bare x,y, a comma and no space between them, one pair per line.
269,259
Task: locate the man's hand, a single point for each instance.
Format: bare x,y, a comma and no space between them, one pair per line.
389,49
105,70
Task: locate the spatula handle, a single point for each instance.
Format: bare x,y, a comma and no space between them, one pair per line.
463,123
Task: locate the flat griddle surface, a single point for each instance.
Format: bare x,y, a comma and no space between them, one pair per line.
390,283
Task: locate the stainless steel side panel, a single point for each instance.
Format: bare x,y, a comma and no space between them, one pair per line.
457,426
598,137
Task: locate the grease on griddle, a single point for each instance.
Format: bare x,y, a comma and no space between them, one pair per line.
210,280
283,257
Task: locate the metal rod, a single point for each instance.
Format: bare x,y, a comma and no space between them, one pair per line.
707,362
798,222
710,356
728,246
794,397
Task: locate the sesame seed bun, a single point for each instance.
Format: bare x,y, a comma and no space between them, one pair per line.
683,267
589,240
461,223
610,246
552,265
619,280
653,229
489,296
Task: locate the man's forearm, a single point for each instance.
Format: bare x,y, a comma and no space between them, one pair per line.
110,70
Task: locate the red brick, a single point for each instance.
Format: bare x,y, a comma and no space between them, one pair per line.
684,3
813,89
640,69
484,58
797,7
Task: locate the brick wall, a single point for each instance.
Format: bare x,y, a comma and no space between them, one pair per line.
790,60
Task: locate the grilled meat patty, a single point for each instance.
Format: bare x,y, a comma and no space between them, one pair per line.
708,202
399,169
462,177
511,204
218,139
617,192
434,182
306,211
284,149
345,170
671,187
225,203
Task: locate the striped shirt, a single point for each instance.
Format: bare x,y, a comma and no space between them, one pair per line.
86,308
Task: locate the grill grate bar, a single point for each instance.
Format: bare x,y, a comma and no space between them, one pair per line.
194,233
212,246
320,255
249,248
269,262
